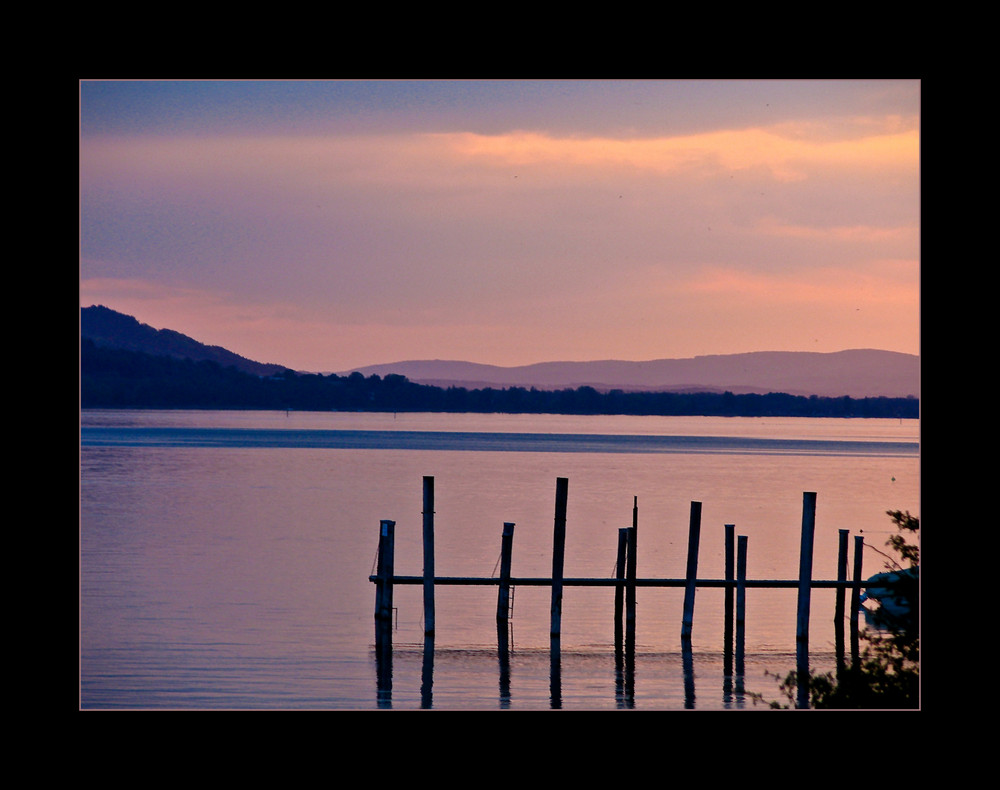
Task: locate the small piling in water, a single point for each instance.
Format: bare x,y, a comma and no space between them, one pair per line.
428,556
691,578
623,534
384,573
741,601
838,614
727,645
558,555
631,564
856,601
503,596
805,590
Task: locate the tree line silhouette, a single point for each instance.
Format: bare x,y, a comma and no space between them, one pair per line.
117,378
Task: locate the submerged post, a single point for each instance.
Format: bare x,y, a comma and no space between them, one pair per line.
428,556
558,549
805,588
694,536
503,597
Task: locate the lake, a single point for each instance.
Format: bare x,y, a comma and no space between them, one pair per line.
225,556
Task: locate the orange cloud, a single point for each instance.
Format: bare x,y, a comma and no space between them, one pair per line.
300,169
788,153
881,283
771,226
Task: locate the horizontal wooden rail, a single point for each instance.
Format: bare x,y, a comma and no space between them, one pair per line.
539,581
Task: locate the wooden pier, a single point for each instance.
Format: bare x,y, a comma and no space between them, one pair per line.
625,584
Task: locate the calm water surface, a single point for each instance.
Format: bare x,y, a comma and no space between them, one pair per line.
225,556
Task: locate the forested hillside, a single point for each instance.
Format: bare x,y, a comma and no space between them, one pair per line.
112,329
119,378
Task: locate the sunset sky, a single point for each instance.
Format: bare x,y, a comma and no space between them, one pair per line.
335,224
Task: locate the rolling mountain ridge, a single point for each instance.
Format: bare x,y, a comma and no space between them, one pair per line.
112,329
859,373
856,373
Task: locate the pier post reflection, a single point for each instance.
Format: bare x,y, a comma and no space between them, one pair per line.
383,668
624,677
503,658
427,674
687,661
555,673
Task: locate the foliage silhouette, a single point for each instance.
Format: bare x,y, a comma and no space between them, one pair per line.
887,675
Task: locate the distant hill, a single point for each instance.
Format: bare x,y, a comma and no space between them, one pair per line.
111,329
858,373
125,364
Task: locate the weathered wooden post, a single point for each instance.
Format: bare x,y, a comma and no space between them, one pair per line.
630,566
558,555
428,556
631,562
838,616
503,612
694,536
383,612
384,574
727,648
741,601
691,577
859,542
805,590
503,597
687,653
620,586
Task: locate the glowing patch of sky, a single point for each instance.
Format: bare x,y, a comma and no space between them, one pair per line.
328,225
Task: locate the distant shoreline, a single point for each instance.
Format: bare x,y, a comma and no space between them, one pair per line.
120,378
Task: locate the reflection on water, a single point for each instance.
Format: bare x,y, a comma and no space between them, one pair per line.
625,584
733,686
238,576
596,680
